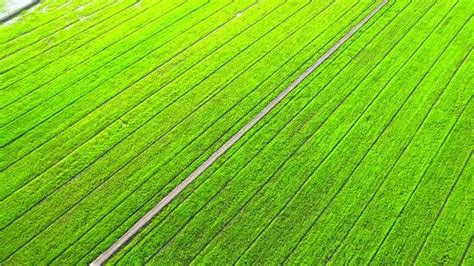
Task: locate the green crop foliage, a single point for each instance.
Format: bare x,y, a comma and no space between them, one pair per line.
106,106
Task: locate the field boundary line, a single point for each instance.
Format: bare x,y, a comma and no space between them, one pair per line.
132,159
102,104
101,156
36,204
277,170
287,124
108,79
202,154
56,31
464,254
6,41
177,190
213,123
134,130
253,157
89,42
428,167
278,111
95,12
312,136
107,62
392,167
442,208
380,135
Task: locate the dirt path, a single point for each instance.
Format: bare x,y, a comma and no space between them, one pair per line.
178,189
15,7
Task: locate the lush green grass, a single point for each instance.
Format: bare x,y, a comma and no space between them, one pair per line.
108,106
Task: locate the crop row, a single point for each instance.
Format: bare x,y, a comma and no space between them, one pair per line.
208,112
294,195
17,51
52,15
46,73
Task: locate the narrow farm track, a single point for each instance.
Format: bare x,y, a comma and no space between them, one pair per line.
10,15
178,189
268,132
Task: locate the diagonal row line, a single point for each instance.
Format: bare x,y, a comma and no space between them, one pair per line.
81,171
77,63
244,71
31,29
234,151
48,35
438,214
258,151
19,62
392,168
183,150
419,181
200,135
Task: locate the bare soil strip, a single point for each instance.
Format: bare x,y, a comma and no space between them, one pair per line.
178,189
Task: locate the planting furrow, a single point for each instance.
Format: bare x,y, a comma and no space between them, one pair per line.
10,62
27,77
75,111
30,40
405,147
64,105
316,237
429,192
129,248
174,164
468,255
113,142
226,96
134,129
54,64
386,202
36,20
97,16
237,132
339,43
448,238
130,67
156,197
442,210
55,71
267,210
280,226
60,75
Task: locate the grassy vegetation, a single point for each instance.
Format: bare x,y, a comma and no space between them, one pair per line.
107,105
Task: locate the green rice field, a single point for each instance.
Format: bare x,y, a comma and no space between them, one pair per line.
107,106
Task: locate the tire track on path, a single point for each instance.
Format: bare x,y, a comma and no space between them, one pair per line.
178,189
